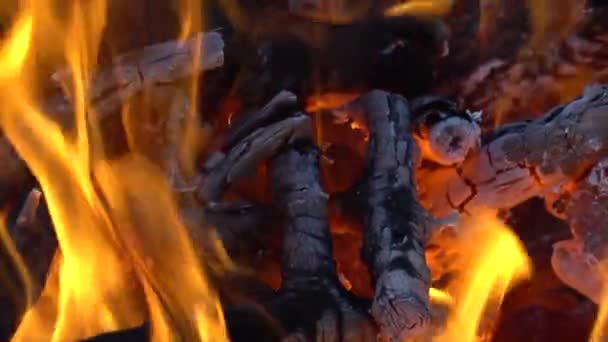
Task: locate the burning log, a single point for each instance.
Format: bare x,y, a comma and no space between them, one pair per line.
256,137
397,226
251,142
577,262
309,278
523,160
560,156
155,64
445,135
129,74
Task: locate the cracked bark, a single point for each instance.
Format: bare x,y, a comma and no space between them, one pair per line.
311,301
253,138
396,224
523,160
307,251
584,206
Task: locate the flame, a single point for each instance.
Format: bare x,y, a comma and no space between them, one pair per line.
440,297
19,263
15,50
552,18
125,256
497,262
600,328
420,8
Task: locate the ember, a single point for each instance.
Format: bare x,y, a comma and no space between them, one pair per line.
303,170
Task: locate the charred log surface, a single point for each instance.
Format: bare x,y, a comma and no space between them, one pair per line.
525,159
396,224
307,247
130,73
258,137
584,206
311,302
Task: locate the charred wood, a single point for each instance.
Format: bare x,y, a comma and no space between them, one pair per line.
397,226
134,71
522,160
584,206
258,143
311,303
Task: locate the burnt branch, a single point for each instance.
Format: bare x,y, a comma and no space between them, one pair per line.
522,160
307,251
251,143
309,282
156,64
129,75
584,206
396,224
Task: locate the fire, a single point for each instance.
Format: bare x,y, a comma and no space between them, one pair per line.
420,8
125,256
18,261
497,261
600,329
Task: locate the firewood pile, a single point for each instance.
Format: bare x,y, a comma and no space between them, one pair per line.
342,148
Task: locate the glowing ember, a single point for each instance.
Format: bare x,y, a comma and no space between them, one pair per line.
124,254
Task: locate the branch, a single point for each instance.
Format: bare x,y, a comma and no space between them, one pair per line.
523,160
396,224
155,64
584,206
257,138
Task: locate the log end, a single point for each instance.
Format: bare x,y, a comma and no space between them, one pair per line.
401,312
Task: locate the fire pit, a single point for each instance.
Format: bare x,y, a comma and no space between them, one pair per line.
300,170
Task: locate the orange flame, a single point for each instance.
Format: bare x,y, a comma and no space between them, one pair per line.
420,8
600,328
125,255
497,262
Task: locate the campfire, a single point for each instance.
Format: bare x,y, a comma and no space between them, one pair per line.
303,170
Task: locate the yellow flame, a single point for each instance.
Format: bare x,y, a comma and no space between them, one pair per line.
19,263
440,297
420,8
193,134
497,262
125,255
600,328
15,50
